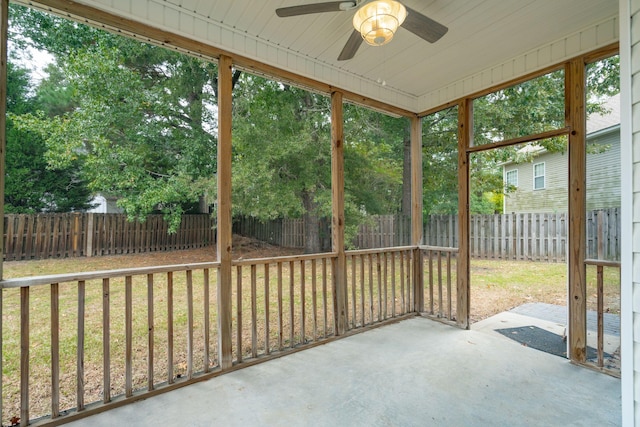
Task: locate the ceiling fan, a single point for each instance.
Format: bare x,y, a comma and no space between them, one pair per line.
375,22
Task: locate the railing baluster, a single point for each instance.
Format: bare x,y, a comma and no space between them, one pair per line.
150,333
55,350
324,295
362,309
254,312
353,290
600,292
239,311
189,324
291,306
410,295
440,300
106,342
402,289
207,331
170,327
1,347
128,337
80,350
24,355
449,298
385,278
303,285
379,277
393,284
267,328
314,299
431,299
370,260
280,308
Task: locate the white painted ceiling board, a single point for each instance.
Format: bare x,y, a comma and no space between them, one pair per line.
482,34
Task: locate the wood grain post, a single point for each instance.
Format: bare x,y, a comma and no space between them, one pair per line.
224,290
416,212
4,25
337,199
577,289
462,263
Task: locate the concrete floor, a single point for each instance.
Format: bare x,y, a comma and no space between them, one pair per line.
414,373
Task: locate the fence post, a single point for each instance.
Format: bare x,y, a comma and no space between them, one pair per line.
88,251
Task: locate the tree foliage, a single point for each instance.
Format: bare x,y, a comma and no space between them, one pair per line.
31,184
140,118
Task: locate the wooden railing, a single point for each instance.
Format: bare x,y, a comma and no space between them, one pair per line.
79,343
600,310
439,286
92,327
379,285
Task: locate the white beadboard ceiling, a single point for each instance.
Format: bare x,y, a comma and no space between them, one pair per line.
488,42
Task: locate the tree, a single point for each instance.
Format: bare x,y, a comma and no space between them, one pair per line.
140,117
31,186
282,158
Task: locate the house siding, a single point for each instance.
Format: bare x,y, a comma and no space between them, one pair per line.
603,179
603,172
551,199
630,162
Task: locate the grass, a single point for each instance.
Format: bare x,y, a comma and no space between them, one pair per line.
495,286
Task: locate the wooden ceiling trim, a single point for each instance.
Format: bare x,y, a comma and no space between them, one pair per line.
596,36
595,55
129,27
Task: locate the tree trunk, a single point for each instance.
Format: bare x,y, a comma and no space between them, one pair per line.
406,173
311,224
203,206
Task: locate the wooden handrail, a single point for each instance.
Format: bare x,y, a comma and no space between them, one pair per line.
24,282
602,262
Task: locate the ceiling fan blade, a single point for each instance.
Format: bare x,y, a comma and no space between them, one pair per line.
305,9
351,47
423,27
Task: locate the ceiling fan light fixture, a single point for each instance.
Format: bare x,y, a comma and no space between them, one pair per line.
378,21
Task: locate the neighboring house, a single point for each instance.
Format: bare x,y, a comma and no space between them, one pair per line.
540,184
104,204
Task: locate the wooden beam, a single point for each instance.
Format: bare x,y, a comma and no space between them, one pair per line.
463,275
224,240
416,211
4,26
520,140
575,115
337,217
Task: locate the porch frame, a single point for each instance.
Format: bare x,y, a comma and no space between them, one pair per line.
574,129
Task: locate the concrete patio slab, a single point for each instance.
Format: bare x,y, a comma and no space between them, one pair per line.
414,373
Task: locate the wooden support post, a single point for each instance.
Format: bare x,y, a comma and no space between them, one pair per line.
462,263
4,26
577,288
225,75
337,220
416,212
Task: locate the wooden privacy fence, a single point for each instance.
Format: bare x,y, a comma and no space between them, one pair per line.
521,236
90,234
